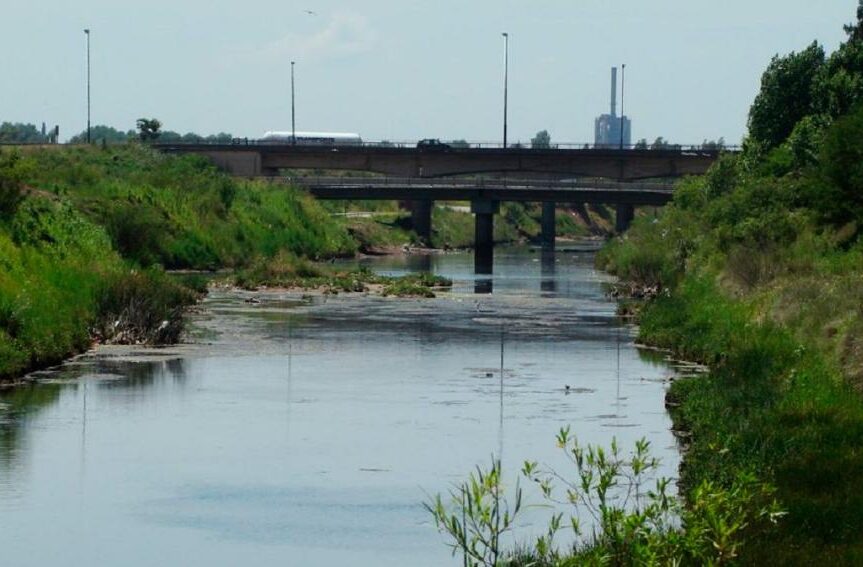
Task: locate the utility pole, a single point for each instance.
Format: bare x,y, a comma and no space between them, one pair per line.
293,112
87,33
505,80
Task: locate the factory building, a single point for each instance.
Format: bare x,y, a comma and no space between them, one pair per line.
607,126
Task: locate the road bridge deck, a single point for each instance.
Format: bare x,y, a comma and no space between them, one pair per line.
254,159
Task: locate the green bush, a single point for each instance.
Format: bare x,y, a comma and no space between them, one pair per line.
12,172
634,519
839,195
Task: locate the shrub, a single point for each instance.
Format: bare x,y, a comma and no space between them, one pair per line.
634,520
840,198
136,307
12,172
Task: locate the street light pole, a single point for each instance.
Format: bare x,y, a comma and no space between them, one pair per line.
505,80
293,112
622,114
87,33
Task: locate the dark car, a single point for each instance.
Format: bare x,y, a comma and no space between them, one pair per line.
433,145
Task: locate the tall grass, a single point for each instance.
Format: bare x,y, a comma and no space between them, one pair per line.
57,273
180,212
772,405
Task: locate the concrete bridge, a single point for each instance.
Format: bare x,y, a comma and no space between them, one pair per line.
423,175
259,158
485,195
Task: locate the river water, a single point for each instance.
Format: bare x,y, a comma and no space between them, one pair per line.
308,430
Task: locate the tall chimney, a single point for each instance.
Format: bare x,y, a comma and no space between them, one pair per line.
614,91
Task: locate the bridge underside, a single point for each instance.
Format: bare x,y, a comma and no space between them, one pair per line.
623,165
485,203
632,196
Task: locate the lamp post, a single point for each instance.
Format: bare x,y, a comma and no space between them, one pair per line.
293,112
87,33
622,114
505,80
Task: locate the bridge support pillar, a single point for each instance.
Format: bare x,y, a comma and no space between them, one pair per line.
421,218
548,225
625,214
484,211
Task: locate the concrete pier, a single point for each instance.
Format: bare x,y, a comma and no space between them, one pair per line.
421,218
548,225
484,211
625,214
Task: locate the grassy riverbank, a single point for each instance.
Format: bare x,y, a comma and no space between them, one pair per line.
760,271
180,212
63,286
86,232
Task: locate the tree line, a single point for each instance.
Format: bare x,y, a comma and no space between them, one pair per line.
147,129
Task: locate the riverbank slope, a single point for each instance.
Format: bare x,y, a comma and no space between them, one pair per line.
759,267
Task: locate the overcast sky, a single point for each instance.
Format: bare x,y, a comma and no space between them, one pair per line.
402,70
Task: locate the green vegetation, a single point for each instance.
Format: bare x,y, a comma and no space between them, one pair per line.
633,520
542,140
759,267
101,134
62,285
415,285
180,212
287,270
16,132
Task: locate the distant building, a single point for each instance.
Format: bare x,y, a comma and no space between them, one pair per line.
607,126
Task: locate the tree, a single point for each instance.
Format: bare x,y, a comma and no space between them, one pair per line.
713,144
542,140
171,136
641,144
838,192
855,31
839,86
104,133
659,144
786,95
20,132
148,129
459,144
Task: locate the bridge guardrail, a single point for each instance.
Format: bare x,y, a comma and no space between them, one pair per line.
402,144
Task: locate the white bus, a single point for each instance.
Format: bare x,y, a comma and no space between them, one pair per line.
313,138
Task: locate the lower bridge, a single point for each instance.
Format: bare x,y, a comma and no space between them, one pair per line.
485,195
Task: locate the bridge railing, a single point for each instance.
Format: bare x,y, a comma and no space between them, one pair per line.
463,145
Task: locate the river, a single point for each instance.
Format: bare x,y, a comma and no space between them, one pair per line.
308,430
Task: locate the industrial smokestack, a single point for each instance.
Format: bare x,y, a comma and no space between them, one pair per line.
614,91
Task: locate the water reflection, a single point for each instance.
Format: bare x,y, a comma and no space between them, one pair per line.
112,379
483,286
18,406
548,261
